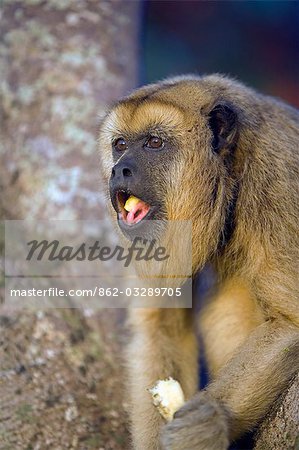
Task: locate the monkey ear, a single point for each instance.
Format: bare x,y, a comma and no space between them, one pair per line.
223,122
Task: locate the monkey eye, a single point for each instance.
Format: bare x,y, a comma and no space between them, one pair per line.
120,144
154,142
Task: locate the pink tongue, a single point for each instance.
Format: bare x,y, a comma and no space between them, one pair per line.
141,208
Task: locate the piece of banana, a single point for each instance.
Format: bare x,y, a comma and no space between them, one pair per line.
168,397
131,202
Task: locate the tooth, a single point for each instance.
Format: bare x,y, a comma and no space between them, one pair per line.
131,202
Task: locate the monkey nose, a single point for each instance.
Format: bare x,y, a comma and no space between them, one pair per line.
123,170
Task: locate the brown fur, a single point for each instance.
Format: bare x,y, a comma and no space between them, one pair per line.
250,328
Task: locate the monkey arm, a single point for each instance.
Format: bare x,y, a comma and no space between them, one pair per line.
242,392
226,322
163,345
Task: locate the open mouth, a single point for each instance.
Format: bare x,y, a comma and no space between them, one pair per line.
131,209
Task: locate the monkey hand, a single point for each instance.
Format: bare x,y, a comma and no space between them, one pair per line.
201,424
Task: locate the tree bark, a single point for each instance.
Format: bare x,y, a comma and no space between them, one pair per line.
280,429
62,63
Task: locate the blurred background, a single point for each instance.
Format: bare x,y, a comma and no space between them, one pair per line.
62,62
254,41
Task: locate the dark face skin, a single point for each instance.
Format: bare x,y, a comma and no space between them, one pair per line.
141,166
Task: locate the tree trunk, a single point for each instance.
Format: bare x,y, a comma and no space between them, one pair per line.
280,429
62,62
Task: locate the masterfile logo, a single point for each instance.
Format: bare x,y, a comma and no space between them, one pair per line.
50,264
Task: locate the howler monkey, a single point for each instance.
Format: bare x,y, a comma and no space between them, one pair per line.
210,150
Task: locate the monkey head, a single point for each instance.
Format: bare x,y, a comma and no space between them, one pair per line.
166,153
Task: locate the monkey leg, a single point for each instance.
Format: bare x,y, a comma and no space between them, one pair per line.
242,392
226,322
163,345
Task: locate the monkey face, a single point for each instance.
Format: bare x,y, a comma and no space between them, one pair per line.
162,156
139,150
136,180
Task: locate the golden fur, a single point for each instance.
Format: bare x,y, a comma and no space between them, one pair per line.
250,327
